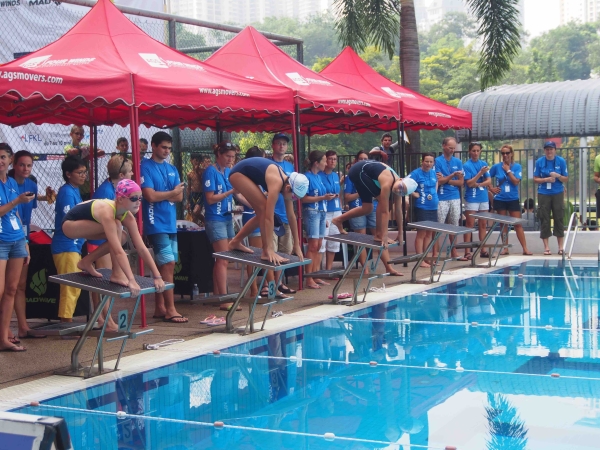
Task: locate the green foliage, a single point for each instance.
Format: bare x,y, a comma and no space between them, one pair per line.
247,140
321,63
186,38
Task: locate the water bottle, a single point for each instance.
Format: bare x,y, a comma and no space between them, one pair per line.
195,292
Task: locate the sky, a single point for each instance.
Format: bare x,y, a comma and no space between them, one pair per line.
540,16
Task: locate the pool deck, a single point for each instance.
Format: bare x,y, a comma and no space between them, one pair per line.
28,376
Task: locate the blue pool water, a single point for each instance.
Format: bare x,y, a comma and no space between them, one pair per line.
508,360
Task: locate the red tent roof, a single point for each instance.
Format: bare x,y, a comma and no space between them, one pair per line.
105,63
417,110
326,106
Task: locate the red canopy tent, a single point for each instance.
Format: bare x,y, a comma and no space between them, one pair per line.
325,105
417,111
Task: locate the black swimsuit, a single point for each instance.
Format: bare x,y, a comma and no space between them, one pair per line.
365,176
255,169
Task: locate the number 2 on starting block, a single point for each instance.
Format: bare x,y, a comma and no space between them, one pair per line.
122,320
272,290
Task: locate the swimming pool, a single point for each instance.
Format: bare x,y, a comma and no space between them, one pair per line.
506,360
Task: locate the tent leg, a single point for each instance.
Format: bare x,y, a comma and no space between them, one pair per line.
296,152
400,127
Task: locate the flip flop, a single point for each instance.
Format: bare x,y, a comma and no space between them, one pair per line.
14,348
467,257
218,321
484,254
547,252
33,336
170,319
341,296
561,252
275,314
286,290
209,319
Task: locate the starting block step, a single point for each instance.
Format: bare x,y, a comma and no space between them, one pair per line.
58,329
117,335
329,274
406,259
216,299
478,244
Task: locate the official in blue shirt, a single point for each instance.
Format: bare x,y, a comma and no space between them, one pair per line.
331,180
13,246
161,189
477,180
218,206
550,174
508,176
425,200
66,252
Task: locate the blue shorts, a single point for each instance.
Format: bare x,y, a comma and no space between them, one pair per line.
314,223
217,231
364,222
13,250
421,215
245,219
165,247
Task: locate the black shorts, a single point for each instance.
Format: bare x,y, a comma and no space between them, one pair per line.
511,205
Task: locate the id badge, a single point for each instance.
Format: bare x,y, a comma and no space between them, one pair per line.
481,188
548,186
337,203
14,222
507,188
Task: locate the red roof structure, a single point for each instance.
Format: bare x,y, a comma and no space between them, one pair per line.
417,111
325,105
105,64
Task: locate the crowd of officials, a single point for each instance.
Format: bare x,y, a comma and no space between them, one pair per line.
327,197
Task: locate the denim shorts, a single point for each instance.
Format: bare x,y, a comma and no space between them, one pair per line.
314,223
422,215
364,222
483,206
13,250
217,231
165,247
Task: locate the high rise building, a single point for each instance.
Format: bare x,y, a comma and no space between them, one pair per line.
581,11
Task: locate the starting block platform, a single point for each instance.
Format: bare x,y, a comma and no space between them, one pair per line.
496,219
360,242
253,260
438,229
108,293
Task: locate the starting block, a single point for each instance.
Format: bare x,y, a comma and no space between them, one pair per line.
497,219
360,243
253,260
108,293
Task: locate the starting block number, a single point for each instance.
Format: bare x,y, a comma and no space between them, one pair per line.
272,290
122,319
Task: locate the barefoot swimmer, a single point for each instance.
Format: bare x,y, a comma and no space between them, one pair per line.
246,177
105,219
373,179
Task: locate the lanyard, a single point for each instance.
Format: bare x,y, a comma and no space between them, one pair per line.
5,192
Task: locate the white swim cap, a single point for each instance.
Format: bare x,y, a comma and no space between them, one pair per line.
410,185
299,184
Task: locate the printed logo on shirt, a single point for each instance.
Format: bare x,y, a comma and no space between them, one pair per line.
207,184
66,209
142,180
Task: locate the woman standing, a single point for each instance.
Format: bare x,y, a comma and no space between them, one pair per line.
477,179
426,200
218,205
314,213
331,181
508,175
21,171
14,252
550,174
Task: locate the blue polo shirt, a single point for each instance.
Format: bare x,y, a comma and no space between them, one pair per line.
105,190
315,189
288,168
68,196
543,167
475,194
217,182
159,217
11,228
445,167
332,186
25,209
508,191
428,198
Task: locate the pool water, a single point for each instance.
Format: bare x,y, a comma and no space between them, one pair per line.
507,360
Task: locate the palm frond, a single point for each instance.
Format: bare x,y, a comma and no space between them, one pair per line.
507,430
350,23
383,22
499,28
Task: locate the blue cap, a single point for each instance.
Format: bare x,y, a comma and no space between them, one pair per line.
280,136
549,144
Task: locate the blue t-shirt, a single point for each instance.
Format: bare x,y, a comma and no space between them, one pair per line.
350,189
11,228
316,188
445,167
475,194
428,198
68,196
105,190
217,182
508,191
543,167
159,217
25,209
332,186
288,168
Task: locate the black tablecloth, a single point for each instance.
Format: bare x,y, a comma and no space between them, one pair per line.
195,265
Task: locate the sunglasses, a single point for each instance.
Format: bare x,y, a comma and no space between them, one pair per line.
505,153
476,143
125,159
135,198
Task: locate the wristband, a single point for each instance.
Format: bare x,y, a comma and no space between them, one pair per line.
510,171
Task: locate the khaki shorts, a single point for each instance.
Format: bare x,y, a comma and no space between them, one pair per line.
285,243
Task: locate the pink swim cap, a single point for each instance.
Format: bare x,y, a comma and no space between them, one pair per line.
127,187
